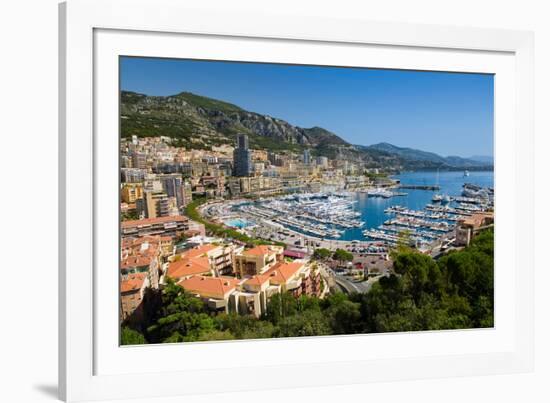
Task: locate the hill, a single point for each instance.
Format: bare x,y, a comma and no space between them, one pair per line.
200,122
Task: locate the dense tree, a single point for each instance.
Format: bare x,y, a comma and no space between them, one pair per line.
131,337
182,317
342,256
245,326
321,254
280,306
306,323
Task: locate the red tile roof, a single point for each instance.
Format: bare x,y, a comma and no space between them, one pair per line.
198,251
257,279
193,261
188,267
210,286
136,261
259,250
282,272
133,282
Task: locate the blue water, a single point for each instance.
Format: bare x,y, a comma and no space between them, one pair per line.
372,208
238,223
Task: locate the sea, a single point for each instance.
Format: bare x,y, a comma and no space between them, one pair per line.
372,208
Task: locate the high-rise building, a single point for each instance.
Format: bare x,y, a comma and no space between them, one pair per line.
132,175
307,157
174,186
156,204
139,160
242,157
242,141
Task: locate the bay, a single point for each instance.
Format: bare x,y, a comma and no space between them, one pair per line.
372,208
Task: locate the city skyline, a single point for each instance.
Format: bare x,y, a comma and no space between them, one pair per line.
445,113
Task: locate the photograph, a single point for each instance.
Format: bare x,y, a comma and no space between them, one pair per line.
266,200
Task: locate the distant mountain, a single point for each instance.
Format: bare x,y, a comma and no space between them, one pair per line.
486,159
411,154
199,122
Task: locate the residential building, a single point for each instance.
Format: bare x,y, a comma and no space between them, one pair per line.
213,185
257,260
156,204
187,267
132,175
253,296
174,186
139,160
215,291
233,186
322,162
168,226
144,255
470,226
217,260
132,291
295,277
131,192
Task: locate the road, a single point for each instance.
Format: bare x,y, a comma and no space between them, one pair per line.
349,286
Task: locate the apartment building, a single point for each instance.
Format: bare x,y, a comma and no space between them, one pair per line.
156,204
167,226
131,192
209,259
469,227
143,255
132,175
257,260
215,291
132,291
251,295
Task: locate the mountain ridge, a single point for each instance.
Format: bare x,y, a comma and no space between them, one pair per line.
196,121
415,154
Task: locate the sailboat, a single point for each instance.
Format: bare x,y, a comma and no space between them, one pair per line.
437,198
466,173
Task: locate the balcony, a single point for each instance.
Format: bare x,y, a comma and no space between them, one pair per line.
216,303
291,285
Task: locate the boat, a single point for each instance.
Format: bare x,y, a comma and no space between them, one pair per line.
437,198
466,173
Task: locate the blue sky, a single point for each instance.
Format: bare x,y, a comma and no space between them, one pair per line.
446,113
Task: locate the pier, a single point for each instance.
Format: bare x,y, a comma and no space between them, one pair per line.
420,187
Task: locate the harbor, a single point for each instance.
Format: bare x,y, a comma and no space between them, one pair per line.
372,219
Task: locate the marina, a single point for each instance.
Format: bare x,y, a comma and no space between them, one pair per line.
422,216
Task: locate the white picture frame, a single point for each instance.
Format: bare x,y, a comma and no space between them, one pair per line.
94,33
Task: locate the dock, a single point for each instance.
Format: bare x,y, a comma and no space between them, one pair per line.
420,187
